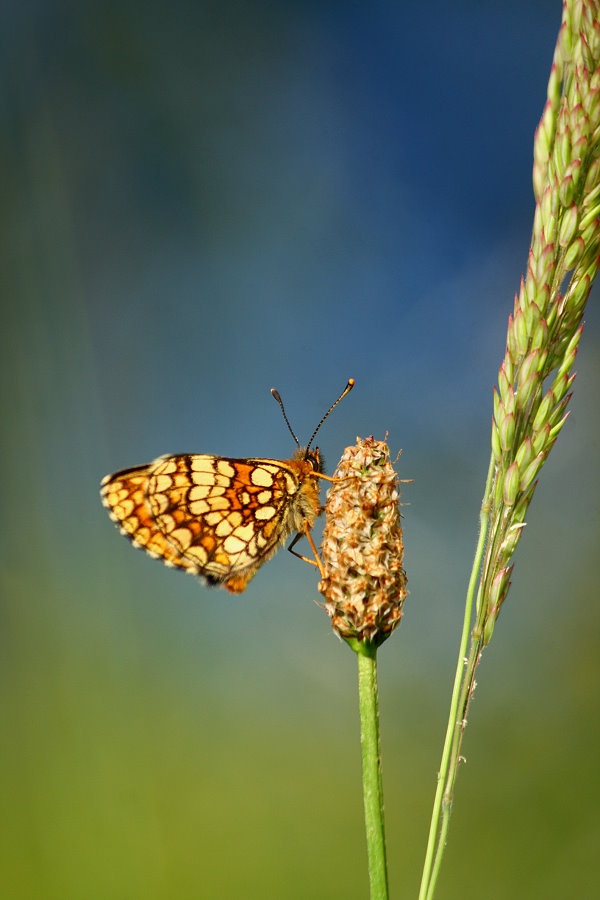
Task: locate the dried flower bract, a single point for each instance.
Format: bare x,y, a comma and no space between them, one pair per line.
364,584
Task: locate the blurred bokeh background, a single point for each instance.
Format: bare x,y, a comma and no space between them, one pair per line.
199,201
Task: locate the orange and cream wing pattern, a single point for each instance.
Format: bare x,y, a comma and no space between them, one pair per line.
213,516
124,495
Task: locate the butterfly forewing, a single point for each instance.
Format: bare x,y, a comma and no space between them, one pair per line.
214,516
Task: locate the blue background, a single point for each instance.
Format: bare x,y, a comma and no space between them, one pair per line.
200,201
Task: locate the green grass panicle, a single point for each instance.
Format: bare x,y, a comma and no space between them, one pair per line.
536,375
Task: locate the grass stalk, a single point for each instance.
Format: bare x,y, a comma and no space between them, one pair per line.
371,770
443,795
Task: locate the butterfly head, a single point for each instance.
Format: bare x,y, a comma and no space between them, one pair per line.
312,456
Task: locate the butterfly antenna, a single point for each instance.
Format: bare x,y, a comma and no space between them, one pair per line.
280,401
346,390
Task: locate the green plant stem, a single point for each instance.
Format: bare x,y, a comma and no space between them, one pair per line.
371,770
447,772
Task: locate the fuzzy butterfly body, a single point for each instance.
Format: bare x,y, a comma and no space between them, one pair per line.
214,516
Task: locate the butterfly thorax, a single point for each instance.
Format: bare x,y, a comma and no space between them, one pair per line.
305,505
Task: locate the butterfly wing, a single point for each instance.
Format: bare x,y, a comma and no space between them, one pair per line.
124,495
212,516
225,516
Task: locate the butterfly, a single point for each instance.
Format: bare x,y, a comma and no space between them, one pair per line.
215,516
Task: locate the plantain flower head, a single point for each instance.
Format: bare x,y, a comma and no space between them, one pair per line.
364,583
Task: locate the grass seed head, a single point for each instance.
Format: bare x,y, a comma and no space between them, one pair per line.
364,584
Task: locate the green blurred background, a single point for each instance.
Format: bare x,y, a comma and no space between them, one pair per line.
201,200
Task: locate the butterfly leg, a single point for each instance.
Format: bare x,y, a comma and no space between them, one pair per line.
329,478
313,562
